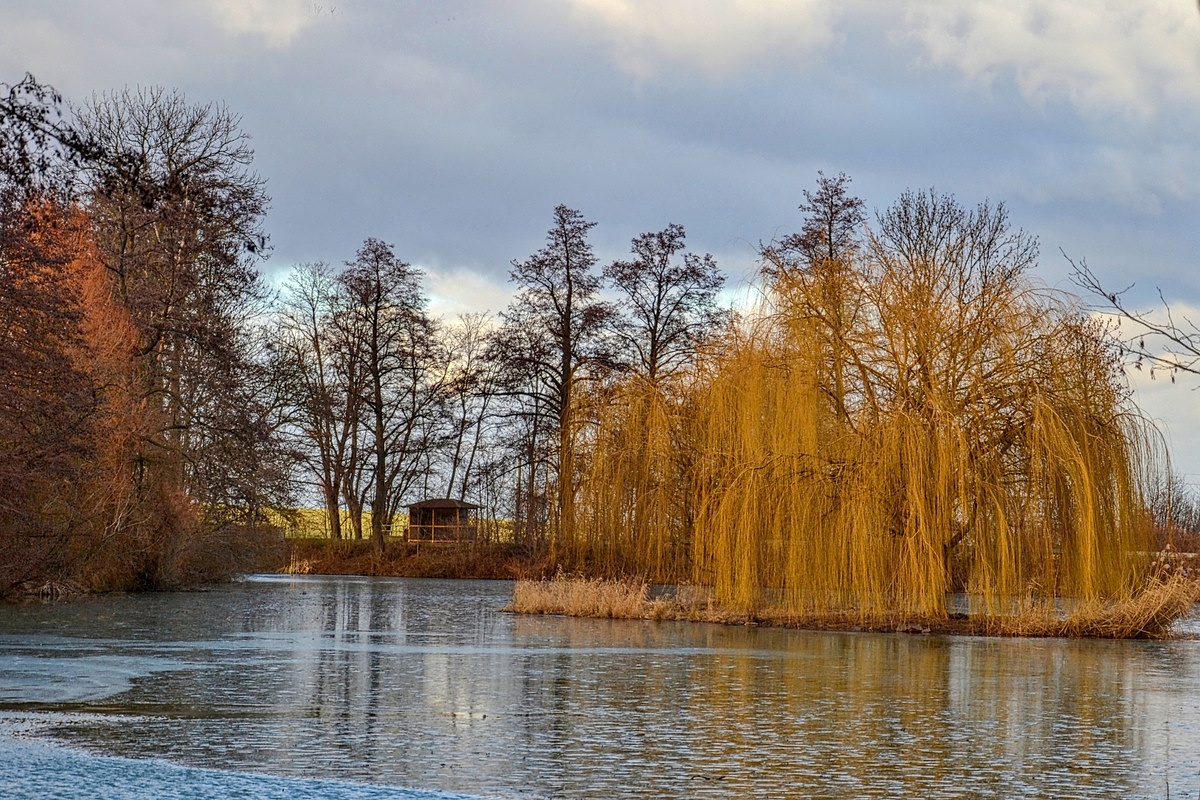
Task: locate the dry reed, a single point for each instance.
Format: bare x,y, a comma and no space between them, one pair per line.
582,597
1148,615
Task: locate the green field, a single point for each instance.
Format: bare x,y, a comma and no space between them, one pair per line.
312,523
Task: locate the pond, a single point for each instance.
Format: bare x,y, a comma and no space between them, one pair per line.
315,687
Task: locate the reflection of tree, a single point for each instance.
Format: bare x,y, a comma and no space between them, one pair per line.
376,681
734,712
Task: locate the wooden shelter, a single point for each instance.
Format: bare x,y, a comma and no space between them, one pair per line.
442,519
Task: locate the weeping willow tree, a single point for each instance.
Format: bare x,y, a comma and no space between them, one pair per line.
907,415
637,508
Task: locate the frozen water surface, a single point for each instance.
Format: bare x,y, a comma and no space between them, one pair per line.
392,688
33,769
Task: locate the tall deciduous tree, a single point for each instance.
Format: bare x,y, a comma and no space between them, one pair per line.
555,326
47,401
129,299
178,214
474,382
669,301
319,367
403,373
816,274
833,220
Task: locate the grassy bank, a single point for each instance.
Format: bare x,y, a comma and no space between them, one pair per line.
1148,615
357,557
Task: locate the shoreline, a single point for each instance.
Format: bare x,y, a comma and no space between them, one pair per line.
1149,615
407,560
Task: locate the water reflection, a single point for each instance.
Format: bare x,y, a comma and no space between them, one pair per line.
423,684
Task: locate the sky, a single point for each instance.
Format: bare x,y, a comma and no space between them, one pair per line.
451,129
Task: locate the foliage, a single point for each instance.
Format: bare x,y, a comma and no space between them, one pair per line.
905,414
1149,615
177,215
48,409
137,409
904,418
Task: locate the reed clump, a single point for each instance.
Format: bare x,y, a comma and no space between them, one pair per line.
1148,615
575,596
904,417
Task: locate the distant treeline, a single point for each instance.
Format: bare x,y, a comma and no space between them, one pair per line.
158,400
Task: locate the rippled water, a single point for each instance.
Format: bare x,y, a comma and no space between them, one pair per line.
372,688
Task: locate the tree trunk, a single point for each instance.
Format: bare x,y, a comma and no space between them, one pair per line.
333,512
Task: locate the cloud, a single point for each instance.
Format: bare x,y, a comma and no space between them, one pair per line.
461,291
1135,60
717,38
277,22
1144,182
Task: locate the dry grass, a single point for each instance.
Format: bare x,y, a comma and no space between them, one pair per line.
1149,614
582,597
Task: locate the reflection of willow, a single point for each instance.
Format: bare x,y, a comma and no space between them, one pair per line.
881,434
744,711
923,716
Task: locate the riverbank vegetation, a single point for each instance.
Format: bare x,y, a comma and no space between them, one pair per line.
907,415
1150,614
134,431
904,415
406,560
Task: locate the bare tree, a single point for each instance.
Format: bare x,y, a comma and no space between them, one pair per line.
669,301
473,384
554,330
178,216
833,220
1161,341
1175,508
40,151
815,273
319,368
936,261
403,373
526,425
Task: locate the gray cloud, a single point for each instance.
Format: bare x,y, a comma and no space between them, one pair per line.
451,129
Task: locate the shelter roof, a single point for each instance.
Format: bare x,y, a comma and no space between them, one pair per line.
442,502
